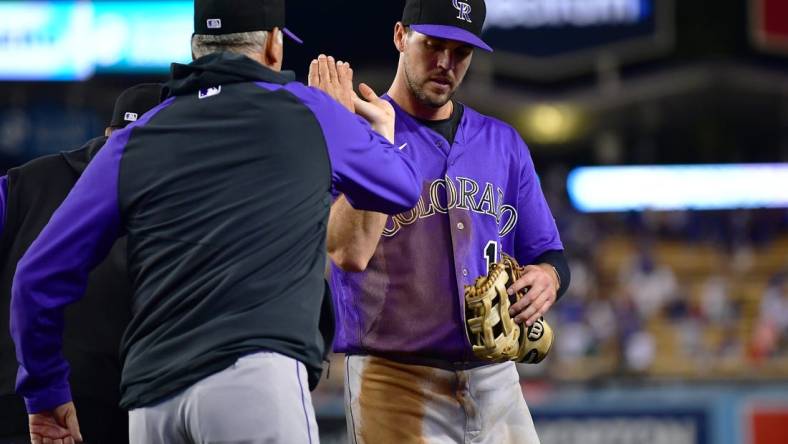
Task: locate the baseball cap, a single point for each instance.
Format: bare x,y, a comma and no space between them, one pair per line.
216,17
460,20
132,103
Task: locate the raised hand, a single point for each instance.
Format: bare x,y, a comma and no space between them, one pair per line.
378,112
335,78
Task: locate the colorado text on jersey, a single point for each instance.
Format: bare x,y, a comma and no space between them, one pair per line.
444,195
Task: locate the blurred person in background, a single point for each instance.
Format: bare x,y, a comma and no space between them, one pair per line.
223,191
411,374
652,286
715,300
630,328
586,317
771,333
718,310
29,195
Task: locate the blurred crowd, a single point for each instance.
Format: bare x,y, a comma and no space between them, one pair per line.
690,294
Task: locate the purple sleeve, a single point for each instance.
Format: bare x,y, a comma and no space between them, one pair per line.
3,193
372,173
54,272
536,231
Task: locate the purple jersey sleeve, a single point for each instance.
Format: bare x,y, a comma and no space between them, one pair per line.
54,273
3,199
372,173
536,231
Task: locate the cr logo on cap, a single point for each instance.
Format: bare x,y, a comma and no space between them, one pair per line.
214,23
464,10
130,117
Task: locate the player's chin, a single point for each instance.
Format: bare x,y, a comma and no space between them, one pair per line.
438,99
439,88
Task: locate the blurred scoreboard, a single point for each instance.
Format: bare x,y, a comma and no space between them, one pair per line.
72,40
541,38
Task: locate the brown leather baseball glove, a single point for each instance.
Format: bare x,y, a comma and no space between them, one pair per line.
492,332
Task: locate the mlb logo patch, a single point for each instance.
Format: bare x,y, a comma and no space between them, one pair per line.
209,92
130,117
214,23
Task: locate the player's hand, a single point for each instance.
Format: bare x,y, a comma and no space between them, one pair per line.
58,426
334,78
543,291
378,112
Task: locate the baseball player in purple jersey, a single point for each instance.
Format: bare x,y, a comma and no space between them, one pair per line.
411,374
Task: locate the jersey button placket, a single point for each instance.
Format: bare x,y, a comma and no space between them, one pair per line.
461,226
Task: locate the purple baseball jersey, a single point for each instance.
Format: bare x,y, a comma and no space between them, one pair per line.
480,196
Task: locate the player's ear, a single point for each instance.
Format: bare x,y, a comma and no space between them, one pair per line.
273,52
400,35
192,45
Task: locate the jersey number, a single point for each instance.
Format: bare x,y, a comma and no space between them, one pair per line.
491,253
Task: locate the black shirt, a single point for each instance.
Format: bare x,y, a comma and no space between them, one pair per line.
446,127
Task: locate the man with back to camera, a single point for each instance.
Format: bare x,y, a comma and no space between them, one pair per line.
223,191
411,374
29,195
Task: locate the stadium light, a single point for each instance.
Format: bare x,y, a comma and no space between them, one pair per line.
678,187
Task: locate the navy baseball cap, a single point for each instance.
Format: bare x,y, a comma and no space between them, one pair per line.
460,20
217,17
132,103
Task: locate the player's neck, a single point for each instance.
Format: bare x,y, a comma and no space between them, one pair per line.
401,94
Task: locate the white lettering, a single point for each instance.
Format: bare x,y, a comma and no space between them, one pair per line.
508,14
623,430
443,195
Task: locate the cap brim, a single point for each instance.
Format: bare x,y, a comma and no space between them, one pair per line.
452,33
292,36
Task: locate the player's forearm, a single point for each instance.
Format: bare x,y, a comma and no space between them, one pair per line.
353,235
